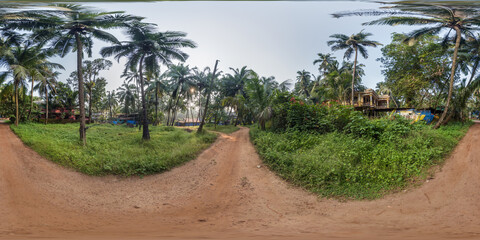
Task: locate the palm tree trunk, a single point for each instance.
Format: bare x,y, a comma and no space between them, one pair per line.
81,97
199,104
110,105
353,74
31,101
16,104
146,133
174,113
89,106
200,128
46,102
156,108
474,70
452,77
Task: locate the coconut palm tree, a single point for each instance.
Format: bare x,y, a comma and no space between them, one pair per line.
461,20
158,87
181,80
285,85
73,30
472,46
353,44
234,83
304,80
126,94
210,86
260,92
324,61
25,60
111,102
200,78
44,85
146,50
40,67
92,69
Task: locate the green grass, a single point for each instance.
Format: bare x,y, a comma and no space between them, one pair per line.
343,166
112,149
227,129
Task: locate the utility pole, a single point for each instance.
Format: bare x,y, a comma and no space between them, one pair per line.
209,91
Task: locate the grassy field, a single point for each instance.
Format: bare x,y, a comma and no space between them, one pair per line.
347,166
114,149
227,129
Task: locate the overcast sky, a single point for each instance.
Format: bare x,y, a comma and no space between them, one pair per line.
272,38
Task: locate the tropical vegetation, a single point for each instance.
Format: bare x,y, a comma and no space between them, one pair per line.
305,129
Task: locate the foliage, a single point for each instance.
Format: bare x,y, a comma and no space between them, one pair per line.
415,73
368,162
114,149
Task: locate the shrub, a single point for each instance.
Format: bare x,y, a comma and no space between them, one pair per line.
344,165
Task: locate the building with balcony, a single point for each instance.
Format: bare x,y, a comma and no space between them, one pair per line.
370,99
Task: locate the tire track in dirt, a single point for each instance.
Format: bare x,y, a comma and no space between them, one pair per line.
223,194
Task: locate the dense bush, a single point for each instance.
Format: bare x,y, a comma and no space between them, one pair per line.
345,165
295,115
336,151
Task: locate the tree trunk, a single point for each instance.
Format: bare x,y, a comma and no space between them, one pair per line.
169,110
354,73
474,70
174,114
110,105
146,133
16,104
156,107
46,102
81,96
200,128
199,105
452,77
89,106
31,101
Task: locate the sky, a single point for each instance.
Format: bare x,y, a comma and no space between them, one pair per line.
274,38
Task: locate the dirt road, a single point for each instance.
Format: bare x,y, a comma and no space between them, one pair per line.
224,195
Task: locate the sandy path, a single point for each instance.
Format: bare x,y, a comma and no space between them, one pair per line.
224,195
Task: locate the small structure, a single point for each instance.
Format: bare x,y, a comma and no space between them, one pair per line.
60,113
370,99
188,122
131,119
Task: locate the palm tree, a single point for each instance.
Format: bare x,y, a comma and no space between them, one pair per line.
437,18
73,30
111,102
304,80
473,54
181,80
24,60
324,61
260,92
213,76
285,85
146,50
158,87
234,83
353,44
126,94
92,69
44,85
39,66
200,78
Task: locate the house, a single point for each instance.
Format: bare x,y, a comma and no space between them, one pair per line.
370,99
